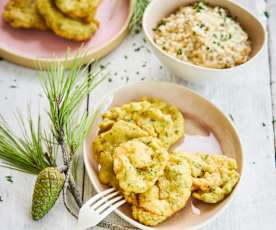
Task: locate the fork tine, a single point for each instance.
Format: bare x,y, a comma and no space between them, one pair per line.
104,199
108,203
96,197
112,208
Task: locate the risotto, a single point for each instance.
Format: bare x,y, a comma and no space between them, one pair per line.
203,35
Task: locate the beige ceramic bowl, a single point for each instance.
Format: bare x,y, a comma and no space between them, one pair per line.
202,119
157,10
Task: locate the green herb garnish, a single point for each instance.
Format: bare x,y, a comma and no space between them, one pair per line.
199,6
161,23
179,51
9,179
135,25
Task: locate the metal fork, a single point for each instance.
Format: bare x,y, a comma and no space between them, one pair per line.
98,207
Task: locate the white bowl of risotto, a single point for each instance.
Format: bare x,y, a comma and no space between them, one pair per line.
203,40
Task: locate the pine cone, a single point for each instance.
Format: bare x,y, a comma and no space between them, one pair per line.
48,185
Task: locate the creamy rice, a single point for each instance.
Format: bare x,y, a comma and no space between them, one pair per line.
203,35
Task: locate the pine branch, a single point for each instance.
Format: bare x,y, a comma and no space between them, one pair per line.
27,153
75,132
36,150
66,92
135,25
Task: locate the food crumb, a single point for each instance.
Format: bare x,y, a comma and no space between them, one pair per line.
231,117
102,67
9,179
138,48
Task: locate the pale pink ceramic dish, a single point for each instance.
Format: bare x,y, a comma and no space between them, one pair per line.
28,47
206,129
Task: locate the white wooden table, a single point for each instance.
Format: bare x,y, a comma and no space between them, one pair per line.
246,99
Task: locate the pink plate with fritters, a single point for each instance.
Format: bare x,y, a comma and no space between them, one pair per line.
40,49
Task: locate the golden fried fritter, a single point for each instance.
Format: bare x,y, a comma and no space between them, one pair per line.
158,118
214,176
172,135
78,9
167,196
105,143
139,163
23,14
64,26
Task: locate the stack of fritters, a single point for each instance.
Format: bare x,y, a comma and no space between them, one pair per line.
132,151
70,19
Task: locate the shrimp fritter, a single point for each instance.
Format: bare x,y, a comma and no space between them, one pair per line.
105,143
167,196
23,14
64,26
214,176
139,163
78,9
157,118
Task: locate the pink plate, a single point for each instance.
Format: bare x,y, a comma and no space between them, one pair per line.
28,47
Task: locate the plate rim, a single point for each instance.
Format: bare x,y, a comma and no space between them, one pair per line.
235,130
46,63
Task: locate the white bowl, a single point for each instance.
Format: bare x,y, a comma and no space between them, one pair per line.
207,117
157,10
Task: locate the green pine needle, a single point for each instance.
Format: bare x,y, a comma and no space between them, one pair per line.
66,91
26,153
135,25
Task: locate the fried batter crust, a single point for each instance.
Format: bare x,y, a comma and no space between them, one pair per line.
139,163
167,196
64,26
158,118
23,14
105,143
214,176
78,9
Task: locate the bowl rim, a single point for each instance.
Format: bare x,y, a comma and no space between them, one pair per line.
203,68
133,222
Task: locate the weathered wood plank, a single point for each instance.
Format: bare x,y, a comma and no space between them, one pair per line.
131,62
271,10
